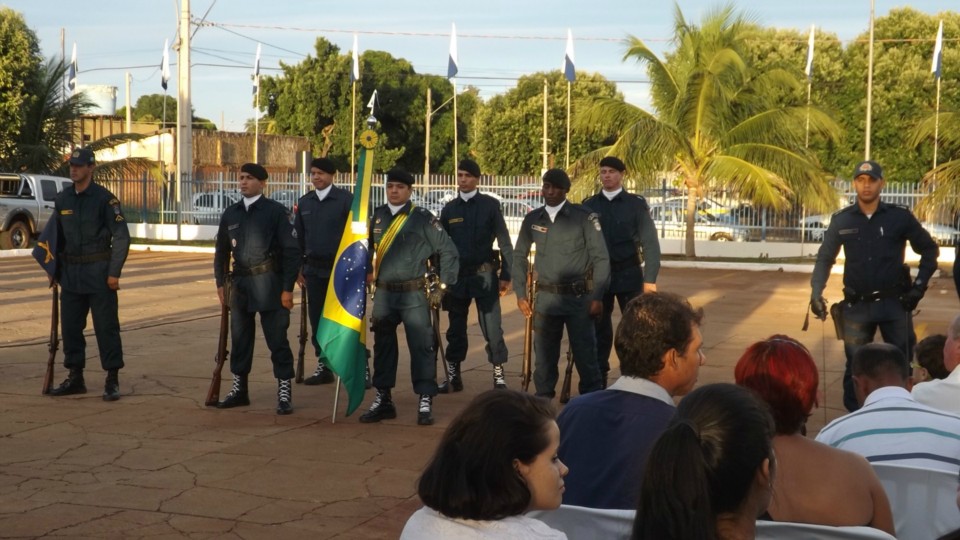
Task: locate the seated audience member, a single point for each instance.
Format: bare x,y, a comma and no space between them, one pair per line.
782,372
605,436
496,461
929,363
912,433
709,475
943,394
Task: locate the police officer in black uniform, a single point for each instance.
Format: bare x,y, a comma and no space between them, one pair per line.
266,261
474,220
319,222
877,290
93,245
402,237
628,231
573,270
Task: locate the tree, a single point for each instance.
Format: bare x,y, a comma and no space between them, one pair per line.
718,121
509,126
149,109
20,67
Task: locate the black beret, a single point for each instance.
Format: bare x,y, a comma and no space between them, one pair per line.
613,163
558,178
397,174
324,165
469,166
255,170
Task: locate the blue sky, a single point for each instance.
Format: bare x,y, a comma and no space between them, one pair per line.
498,40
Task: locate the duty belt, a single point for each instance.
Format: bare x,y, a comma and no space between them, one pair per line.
578,287
84,259
481,269
617,266
244,271
316,261
401,286
854,298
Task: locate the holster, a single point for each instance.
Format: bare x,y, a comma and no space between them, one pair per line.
836,313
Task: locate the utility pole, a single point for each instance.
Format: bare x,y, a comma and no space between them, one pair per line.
426,161
184,119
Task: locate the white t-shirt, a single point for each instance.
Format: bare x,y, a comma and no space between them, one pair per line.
428,524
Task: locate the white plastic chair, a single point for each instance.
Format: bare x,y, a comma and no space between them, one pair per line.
582,523
924,501
785,530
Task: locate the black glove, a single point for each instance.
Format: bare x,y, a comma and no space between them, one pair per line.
911,298
435,296
819,308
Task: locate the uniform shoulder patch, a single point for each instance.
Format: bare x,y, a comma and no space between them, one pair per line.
595,218
113,202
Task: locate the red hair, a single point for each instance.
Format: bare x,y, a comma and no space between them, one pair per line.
782,372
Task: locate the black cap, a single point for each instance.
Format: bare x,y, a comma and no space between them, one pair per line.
397,174
613,163
869,168
255,170
558,178
82,156
324,164
470,166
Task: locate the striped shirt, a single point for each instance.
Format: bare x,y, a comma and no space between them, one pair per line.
893,428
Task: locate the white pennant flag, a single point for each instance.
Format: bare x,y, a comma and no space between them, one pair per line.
452,62
809,69
72,73
256,71
165,64
938,53
355,72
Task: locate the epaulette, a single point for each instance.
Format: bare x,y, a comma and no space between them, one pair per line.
311,193
849,208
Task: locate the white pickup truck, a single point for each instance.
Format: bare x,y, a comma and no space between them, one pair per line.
26,203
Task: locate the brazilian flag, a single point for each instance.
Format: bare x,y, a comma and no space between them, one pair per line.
342,333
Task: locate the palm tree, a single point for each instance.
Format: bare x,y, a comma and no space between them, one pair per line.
717,122
942,182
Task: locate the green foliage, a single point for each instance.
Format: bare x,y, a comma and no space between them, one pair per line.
509,127
149,110
20,70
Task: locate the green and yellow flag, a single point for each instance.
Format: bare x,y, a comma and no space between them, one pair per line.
342,333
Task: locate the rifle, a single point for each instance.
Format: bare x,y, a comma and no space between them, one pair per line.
54,343
303,334
528,332
213,394
431,284
567,376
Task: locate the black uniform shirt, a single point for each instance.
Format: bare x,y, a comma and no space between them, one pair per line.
319,226
627,227
874,249
420,237
90,222
473,225
259,235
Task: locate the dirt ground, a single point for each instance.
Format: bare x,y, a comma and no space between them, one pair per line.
159,464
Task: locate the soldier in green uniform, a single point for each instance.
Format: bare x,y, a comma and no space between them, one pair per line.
93,246
402,238
573,270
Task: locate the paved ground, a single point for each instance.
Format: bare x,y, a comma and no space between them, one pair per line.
159,464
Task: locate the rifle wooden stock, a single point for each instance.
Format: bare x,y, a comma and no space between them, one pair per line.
213,394
527,366
567,378
303,334
54,343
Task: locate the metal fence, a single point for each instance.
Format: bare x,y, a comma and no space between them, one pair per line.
721,216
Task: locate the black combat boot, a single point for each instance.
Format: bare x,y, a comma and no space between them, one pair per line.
499,378
424,413
111,387
381,409
72,385
284,396
238,394
322,375
456,382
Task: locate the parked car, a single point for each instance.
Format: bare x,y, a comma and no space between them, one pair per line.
208,206
26,203
943,235
514,211
671,220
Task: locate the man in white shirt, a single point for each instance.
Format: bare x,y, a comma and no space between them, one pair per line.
944,394
890,426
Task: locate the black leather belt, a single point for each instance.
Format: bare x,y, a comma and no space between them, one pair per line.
576,287
401,286
617,266
243,271
854,298
84,259
482,269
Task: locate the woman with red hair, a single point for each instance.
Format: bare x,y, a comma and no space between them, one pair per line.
782,372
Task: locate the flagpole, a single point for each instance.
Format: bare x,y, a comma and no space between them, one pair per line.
866,149
353,144
544,166
456,154
566,160
256,125
336,402
936,130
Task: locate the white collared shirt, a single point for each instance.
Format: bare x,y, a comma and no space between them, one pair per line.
395,209
247,201
552,211
467,195
322,193
611,194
